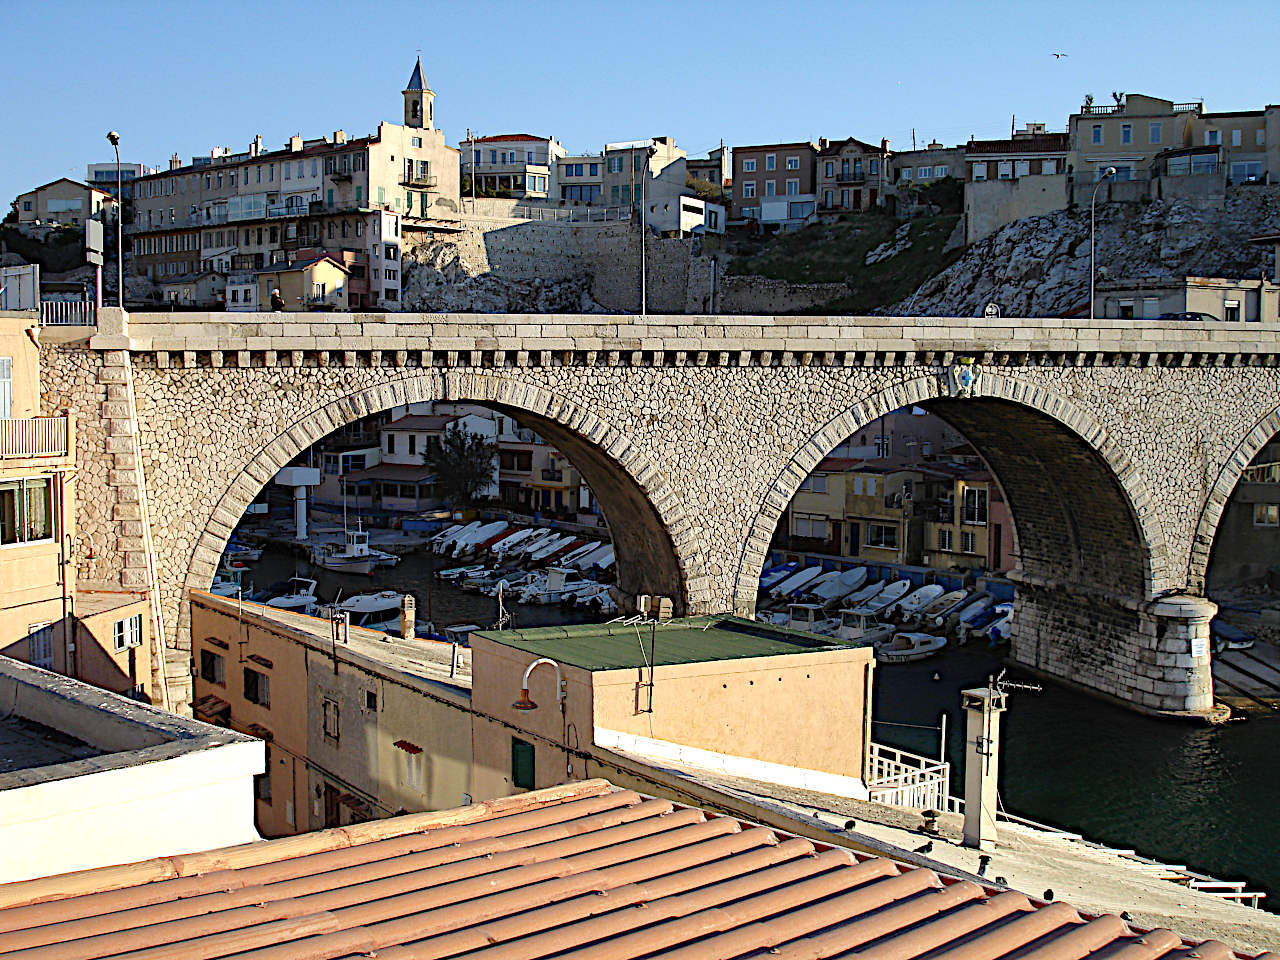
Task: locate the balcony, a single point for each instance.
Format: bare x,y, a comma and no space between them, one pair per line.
34,437
339,175
851,176
418,180
555,476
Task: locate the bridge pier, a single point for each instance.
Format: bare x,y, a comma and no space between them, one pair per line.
1150,655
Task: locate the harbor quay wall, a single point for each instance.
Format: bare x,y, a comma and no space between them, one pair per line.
1116,443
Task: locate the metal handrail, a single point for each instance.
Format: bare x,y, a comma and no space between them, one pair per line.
33,437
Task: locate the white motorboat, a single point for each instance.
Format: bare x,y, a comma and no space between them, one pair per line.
241,551
775,575
299,596
946,619
909,646
568,560
913,602
859,627
442,533
602,557
551,546
797,580
936,606
373,610
468,542
511,584
882,600
352,557
229,581
809,618
606,559
457,573
970,614
997,624
506,543
560,581
865,594
831,593
806,593
445,543
527,546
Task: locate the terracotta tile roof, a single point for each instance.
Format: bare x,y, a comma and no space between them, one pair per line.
582,870
1048,143
422,421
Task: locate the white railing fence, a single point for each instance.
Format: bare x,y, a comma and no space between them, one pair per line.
70,313
908,780
33,437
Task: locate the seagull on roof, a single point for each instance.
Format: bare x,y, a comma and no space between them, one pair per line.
1059,56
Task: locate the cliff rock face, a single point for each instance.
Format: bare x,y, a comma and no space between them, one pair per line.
441,277
1040,266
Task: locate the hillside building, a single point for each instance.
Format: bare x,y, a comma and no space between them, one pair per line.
852,175
64,201
774,185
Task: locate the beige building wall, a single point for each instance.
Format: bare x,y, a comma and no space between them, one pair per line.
62,201
990,204
298,286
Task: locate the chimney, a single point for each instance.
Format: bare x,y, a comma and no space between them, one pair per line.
339,136
884,145
174,162
823,143
295,143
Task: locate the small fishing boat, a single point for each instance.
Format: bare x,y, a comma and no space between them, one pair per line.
904,647
457,573
831,593
861,628
797,580
947,619
971,615
882,600
229,581
913,602
809,618
445,543
936,606
775,575
1227,637
242,551
352,557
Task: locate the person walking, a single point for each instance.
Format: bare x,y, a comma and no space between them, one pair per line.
277,301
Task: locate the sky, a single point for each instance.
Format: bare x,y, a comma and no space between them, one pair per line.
185,77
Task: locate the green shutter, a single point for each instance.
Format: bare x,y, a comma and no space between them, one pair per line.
521,764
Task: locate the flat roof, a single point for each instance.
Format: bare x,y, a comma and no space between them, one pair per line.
579,870
615,646
26,744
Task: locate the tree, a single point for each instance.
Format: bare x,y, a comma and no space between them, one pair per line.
463,465
706,190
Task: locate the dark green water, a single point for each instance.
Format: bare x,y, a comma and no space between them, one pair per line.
1207,797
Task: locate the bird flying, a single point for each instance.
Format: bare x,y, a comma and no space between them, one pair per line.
1059,56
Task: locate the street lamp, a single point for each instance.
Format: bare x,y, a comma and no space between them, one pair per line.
1109,172
114,138
525,702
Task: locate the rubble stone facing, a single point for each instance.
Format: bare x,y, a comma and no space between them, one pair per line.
712,423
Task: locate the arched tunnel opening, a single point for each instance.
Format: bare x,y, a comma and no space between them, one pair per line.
378,485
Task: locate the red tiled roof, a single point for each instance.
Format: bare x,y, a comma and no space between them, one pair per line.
505,138
1049,143
402,472
582,870
801,145
835,146
414,421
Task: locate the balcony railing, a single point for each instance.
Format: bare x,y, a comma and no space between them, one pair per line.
34,437
908,779
1099,109
556,476
851,176
418,180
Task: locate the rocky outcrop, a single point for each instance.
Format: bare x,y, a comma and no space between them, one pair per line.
1039,267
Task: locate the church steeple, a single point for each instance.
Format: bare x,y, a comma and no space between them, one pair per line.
419,100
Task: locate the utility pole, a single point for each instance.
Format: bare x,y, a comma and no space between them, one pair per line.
644,229
471,165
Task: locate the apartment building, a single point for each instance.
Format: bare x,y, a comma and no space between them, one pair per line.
49,616
519,164
250,210
103,176
1229,300
1022,176
852,175
1031,152
63,201
317,282
967,522
715,168
580,178
928,165
1128,135
774,184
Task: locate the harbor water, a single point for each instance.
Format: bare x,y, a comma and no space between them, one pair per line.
1205,797
1183,793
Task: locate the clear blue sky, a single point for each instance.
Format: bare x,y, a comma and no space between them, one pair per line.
185,76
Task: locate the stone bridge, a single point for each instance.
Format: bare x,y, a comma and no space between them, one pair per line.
1116,444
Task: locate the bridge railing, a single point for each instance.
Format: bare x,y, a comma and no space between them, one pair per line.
908,780
34,437
68,313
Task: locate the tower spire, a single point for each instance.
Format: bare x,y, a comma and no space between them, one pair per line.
419,100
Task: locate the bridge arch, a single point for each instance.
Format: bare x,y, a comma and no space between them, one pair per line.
1079,495
657,552
1219,494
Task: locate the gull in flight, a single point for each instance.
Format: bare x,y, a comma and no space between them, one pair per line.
1059,56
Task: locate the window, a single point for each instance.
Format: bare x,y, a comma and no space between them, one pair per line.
412,766
882,535
1004,169
815,527
770,188
615,164
1231,311
413,443
815,483
370,700
1266,514
793,187
1213,138
1126,309
979,172
1049,166
968,541
771,161
1246,171
331,719
748,166
944,539
793,163
1126,133
213,668
1022,168
257,687
974,508
748,189
128,633
829,169
522,773
1155,132
1097,133
26,510
262,782
1235,138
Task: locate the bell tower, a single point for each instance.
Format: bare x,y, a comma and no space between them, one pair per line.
419,100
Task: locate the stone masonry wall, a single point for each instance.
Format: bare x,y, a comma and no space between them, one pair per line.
715,421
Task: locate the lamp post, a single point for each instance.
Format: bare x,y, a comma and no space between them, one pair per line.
114,138
1109,172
